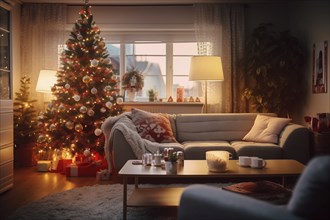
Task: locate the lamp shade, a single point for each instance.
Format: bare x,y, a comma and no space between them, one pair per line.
206,68
46,80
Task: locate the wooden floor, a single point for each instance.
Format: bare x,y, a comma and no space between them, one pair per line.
30,185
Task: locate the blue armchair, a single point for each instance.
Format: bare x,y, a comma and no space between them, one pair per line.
310,199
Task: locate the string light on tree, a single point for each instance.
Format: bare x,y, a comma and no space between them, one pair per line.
86,91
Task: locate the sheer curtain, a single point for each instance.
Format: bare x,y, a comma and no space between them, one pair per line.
42,30
220,31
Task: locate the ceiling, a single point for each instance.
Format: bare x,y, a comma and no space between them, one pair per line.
142,2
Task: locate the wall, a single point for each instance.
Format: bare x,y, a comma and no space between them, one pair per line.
310,20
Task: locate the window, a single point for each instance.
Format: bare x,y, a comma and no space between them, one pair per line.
165,66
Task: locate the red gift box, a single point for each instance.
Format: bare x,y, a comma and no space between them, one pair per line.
85,169
61,165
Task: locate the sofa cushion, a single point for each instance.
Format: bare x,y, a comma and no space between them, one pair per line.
152,126
195,150
253,149
266,129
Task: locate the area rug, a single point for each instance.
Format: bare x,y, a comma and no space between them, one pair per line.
89,202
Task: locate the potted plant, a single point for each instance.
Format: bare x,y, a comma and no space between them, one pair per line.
132,82
171,165
152,95
273,64
25,125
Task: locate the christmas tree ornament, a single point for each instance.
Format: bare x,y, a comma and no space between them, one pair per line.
107,61
111,98
83,109
76,98
119,100
67,86
90,113
114,77
87,152
94,63
108,104
79,37
61,108
107,89
103,110
78,127
52,127
98,132
69,125
94,91
86,79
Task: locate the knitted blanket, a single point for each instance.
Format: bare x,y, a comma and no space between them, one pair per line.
124,124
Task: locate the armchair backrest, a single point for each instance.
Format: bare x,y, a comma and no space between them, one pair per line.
311,195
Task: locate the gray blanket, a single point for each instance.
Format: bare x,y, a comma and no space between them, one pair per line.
124,124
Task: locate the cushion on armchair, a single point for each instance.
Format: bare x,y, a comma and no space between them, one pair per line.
153,126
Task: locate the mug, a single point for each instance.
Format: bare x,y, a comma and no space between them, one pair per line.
257,162
147,159
244,161
157,159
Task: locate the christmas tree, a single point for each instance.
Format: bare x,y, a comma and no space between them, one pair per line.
25,117
86,92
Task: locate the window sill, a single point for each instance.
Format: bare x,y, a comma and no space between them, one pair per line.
166,107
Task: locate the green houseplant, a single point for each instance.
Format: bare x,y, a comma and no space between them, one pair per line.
273,65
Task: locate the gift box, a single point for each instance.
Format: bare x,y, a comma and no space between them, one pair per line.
102,175
59,166
43,165
84,169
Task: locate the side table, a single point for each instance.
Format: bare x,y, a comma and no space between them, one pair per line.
321,143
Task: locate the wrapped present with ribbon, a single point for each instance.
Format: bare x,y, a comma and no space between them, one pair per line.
85,169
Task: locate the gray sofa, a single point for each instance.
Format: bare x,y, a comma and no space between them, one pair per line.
198,133
310,199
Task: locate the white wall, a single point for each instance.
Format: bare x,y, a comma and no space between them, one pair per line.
310,20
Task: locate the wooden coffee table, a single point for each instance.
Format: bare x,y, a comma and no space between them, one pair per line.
170,197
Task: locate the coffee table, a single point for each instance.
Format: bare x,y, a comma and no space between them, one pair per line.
170,197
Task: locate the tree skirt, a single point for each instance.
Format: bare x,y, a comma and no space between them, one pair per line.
89,202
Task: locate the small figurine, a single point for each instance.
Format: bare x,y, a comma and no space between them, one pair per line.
197,99
191,99
170,99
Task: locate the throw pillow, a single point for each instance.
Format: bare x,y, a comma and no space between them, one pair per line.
266,129
152,126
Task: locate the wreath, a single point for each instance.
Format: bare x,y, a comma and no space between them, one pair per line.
133,81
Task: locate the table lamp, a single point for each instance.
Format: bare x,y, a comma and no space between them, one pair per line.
206,68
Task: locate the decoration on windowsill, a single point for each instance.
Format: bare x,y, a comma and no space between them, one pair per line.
152,95
170,99
133,81
179,94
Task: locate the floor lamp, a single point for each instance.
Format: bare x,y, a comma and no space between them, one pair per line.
206,68
46,80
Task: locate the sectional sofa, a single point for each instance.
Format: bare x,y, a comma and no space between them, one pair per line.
195,134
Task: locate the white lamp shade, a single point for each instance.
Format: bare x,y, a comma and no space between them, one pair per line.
206,68
46,80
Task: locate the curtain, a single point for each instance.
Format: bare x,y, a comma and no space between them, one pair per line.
220,31
42,31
